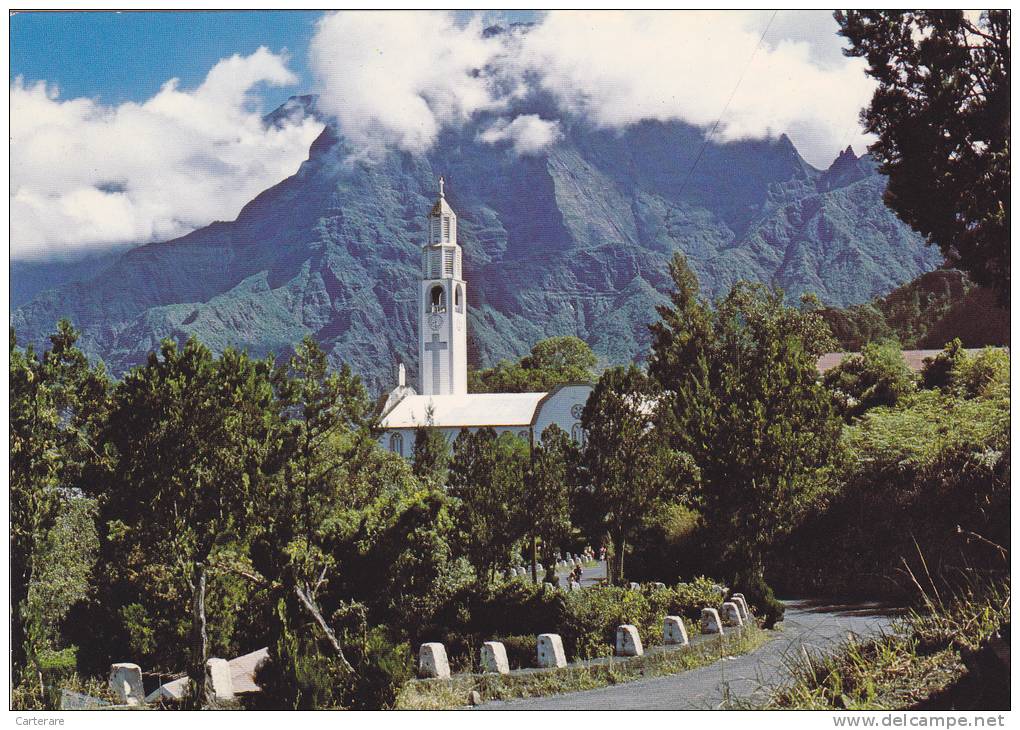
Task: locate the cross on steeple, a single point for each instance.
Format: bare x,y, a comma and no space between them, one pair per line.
442,182
435,347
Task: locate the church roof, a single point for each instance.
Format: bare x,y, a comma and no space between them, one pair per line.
469,410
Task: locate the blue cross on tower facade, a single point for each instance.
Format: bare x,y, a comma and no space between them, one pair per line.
435,347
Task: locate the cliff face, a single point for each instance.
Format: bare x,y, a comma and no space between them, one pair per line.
575,240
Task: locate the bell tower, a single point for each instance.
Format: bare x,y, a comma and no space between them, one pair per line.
442,310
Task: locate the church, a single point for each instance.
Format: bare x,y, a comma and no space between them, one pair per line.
444,402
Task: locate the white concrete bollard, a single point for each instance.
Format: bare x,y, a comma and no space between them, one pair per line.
738,598
494,658
674,633
217,672
730,613
710,622
628,641
432,661
635,586
126,683
550,651
658,586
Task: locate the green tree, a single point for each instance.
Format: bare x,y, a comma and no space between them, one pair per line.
57,403
627,470
877,376
546,497
64,569
193,436
744,401
487,478
431,456
553,361
326,434
941,113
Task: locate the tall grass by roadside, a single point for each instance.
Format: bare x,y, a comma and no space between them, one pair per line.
936,657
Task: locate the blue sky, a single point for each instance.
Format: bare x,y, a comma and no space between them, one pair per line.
117,57
127,56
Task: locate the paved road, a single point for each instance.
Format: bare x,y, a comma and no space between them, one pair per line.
807,624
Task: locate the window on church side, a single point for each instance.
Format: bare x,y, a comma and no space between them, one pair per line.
577,434
437,299
397,443
435,230
523,435
458,298
448,262
446,229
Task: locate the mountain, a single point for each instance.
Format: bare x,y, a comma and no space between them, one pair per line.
575,240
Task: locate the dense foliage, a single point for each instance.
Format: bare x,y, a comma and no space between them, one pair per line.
941,113
876,376
923,484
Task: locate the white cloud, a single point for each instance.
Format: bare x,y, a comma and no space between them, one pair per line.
85,176
529,134
619,68
397,78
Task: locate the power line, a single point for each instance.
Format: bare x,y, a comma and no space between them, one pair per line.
708,137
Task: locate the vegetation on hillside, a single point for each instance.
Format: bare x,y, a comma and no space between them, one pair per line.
553,361
924,314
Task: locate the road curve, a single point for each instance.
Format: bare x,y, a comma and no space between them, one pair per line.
812,625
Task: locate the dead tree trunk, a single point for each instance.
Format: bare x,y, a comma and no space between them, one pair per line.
308,603
199,637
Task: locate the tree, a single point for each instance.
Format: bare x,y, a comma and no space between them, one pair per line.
431,456
194,436
546,497
877,376
324,438
553,361
942,117
487,477
626,468
744,401
56,405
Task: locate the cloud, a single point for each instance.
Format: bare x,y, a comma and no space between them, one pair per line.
396,79
86,176
528,134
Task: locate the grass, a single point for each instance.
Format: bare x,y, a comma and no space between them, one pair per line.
923,663
433,694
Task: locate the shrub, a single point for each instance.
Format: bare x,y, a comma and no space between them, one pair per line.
760,597
520,650
877,376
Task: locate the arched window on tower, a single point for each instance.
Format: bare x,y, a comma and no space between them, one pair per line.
437,299
446,229
397,443
458,298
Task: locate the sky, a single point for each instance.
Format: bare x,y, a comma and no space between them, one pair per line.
132,127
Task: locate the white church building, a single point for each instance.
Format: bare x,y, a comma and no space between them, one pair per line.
444,401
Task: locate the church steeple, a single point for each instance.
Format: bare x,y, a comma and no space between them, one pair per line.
442,340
